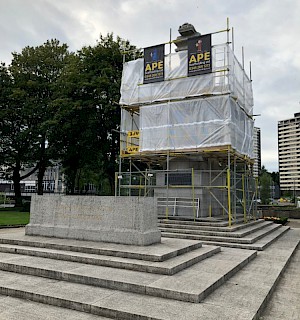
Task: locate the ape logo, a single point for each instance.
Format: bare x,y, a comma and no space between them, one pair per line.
154,58
199,55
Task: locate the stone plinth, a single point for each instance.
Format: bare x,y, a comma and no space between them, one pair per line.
127,220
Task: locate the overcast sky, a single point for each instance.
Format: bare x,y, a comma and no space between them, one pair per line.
267,29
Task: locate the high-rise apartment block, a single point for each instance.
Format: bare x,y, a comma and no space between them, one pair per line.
289,154
256,152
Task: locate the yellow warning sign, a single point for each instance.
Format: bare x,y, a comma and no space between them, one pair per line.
132,149
133,134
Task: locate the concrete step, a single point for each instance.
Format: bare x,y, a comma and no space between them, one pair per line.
206,222
167,267
218,231
193,235
242,297
284,302
252,288
184,286
158,252
233,228
20,309
259,245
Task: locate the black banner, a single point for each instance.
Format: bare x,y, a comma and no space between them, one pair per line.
154,64
199,55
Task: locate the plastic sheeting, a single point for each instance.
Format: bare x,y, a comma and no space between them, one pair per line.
129,122
228,77
201,123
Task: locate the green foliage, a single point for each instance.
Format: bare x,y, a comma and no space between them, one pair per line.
265,184
35,72
58,106
89,95
275,177
16,147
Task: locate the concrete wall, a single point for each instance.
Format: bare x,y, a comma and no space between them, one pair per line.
127,220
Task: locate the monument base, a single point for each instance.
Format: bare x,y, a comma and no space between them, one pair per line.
126,220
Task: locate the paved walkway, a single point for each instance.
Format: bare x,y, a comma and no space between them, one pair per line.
285,301
294,223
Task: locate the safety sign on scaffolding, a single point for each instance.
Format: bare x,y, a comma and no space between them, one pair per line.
199,55
132,149
154,68
133,134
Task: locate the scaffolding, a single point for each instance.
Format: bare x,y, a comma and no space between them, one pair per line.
227,193
193,135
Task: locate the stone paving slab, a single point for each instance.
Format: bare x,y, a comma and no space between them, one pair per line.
184,286
167,249
167,267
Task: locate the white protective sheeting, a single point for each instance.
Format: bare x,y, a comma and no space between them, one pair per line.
227,77
129,122
207,122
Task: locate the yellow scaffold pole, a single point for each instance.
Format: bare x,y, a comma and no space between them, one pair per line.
244,199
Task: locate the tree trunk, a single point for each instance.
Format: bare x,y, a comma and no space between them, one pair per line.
41,172
17,185
71,180
41,168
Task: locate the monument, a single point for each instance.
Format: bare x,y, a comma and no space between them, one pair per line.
126,220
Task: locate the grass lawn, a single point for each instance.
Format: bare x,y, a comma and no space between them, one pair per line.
13,217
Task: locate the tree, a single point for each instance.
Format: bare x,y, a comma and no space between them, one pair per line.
35,72
16,147
275,177
90,91
57,106
265,184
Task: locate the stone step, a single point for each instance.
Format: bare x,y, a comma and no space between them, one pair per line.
241,297
246,304
213,222
259,245
192,225
157,252
193,235
183,286
284,302
167,267
219,231
252,288
20,309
